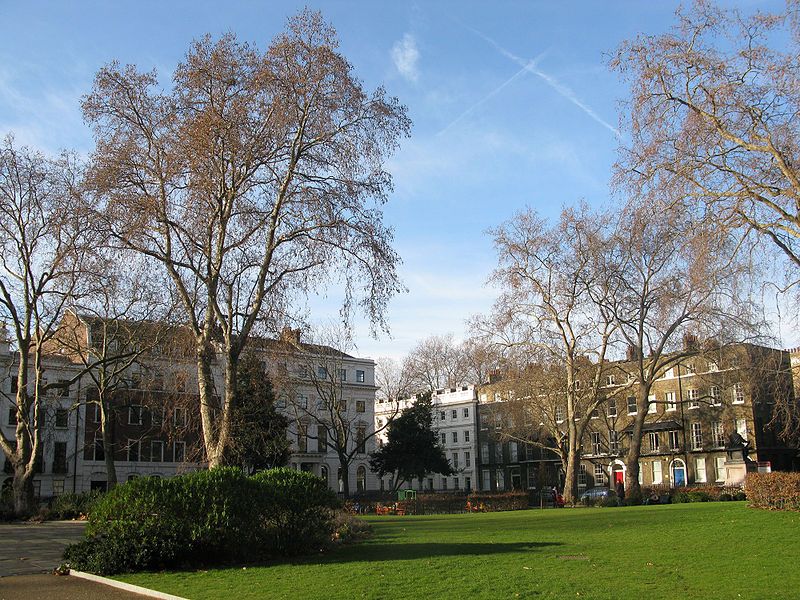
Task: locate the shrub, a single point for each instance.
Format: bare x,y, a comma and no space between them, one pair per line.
699,496
488,502
608,501
680,498
204,517
73,506
349,529
773,491
725,497
298,512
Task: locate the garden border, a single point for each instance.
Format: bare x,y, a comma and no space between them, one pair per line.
121,585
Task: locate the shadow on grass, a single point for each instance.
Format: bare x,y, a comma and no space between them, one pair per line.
399,551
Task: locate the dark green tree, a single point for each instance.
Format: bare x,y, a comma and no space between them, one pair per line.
412,449
258,432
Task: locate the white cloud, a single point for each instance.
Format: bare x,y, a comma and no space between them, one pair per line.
405,56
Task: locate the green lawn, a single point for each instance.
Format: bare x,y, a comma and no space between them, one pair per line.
713,550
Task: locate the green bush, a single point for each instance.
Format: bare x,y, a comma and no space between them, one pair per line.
608,501
349,528
73,506
205,517
680,498
499,501
699,496
725,497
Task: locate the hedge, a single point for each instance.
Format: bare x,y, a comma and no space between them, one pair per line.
488,502
773,491
204,517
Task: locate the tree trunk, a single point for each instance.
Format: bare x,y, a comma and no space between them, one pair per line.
633,491
205,388
345,468
108,444
571,476
24,503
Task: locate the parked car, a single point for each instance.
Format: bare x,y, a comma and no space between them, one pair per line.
596,493
551,497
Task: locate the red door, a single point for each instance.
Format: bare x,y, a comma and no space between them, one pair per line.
618,477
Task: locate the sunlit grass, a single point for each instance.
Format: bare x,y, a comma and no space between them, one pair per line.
713,550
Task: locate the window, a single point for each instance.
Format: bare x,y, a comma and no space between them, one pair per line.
444,483
674,440
63,391
669,401
612,408
60,457
454,414
455,460
498,396
156,417
322,373
442,415
135,415
599,475
738,393
465,413
717,434
301,400
467,460
694,398
713,392
12,415
655,441
361,479
712,366
700,470
97,449
455,437
322,438
360,376
280,402
690,369
559,414
179,417
498,452
361,436
157,451
361,406
484,421
610,380
613,441
595,442
595,414
342,374
741,427
485,451
302,437
179,451
719,463
58,487
652,407
658,475
466,435
134,450
669,373
697,436
484,397
581,476
501,479
486,482
513,451
443,435
632,405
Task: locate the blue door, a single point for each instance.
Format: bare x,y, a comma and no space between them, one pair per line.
678,473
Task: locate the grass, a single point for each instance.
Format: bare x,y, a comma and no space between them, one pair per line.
709,550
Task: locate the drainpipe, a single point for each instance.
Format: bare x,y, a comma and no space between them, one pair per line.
75,454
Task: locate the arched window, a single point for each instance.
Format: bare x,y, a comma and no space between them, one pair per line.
361,479
323,473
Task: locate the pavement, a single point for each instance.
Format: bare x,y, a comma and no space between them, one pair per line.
28,554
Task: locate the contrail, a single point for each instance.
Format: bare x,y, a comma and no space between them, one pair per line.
494,92
559,87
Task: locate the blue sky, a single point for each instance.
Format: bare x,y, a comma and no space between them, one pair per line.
489,137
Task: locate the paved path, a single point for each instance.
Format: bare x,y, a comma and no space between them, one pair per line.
52,587
36,547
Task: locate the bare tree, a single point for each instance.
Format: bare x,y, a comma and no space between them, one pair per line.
678,280
259,176
392,380
552,310
713,112
436,362
43,243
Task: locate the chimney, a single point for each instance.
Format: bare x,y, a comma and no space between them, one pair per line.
689,341
633,353
290,335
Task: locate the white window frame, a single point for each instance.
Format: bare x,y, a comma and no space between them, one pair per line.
697,435
670,402
713,393
700,475
652,407
738,393
693,395
657,472
719,467
153,445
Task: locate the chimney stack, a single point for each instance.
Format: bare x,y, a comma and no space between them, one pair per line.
290,335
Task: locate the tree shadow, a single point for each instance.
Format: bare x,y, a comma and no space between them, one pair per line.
371,552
